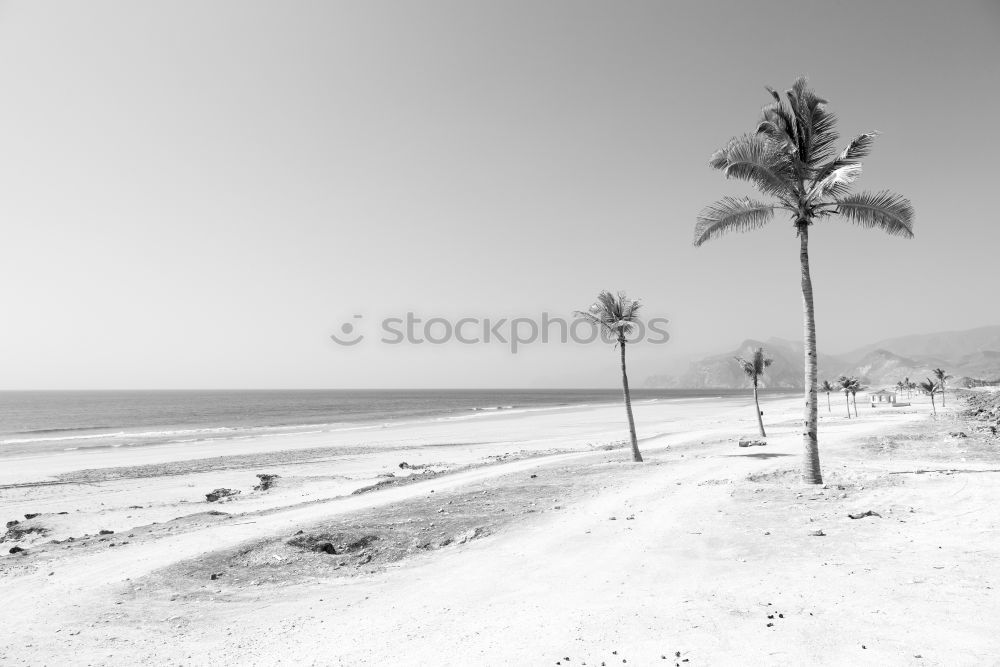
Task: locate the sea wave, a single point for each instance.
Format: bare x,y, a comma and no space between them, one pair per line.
493,410
67,429
195,420
179,435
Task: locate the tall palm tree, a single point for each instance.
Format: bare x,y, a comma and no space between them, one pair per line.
899,387
827,387
845,385
615,316
931,388
790,158
754,369
941,376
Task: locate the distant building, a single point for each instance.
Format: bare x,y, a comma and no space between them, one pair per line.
883,397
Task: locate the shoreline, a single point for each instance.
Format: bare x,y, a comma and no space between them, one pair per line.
55,438
19,466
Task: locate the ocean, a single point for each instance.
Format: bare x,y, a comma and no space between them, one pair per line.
35,421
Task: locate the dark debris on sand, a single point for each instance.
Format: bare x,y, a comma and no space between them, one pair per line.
267,480
364,542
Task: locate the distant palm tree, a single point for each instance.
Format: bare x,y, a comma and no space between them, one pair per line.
790,158
827,387
941,376
615,316
899,387
855,388
754,369
931,388
845,385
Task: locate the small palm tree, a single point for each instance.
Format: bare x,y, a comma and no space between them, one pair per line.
790,158
855,388
910,386
615,316
754,369
899,387
941,376
845,384
931,388
827,387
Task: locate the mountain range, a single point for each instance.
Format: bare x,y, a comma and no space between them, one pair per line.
974,353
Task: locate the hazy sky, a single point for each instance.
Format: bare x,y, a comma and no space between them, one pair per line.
196,194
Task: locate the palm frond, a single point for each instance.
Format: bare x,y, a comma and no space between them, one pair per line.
885,210
593,319
859,148
782,118
720,158
778,124
758,159
816,125
836,183
631,310
730,214
824,136
608,304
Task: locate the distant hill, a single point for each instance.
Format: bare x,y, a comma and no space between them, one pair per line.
974,353
882,367
981,365
722,371
949,346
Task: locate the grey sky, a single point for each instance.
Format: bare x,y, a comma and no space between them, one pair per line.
195,194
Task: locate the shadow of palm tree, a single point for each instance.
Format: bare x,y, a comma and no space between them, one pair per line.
760,455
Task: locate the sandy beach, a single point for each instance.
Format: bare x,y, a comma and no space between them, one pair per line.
524,538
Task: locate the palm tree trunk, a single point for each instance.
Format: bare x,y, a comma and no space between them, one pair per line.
810,421
828,408
934,407
636,456
854,399
847,397
942,394
760,421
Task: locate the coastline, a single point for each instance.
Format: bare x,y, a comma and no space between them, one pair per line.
38,464
35,421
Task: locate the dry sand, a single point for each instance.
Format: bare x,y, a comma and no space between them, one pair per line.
518,539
